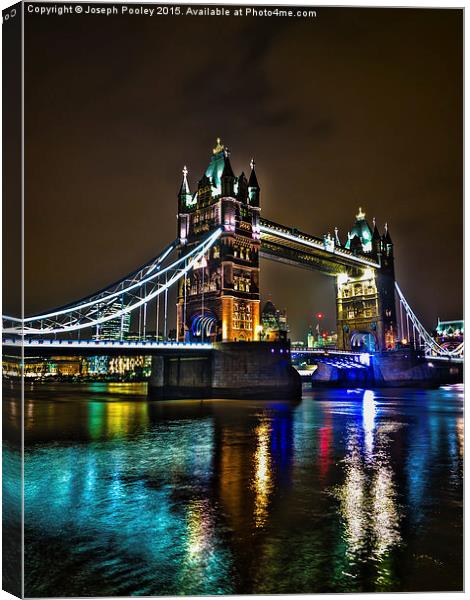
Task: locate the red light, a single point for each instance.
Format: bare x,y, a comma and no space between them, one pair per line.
319,315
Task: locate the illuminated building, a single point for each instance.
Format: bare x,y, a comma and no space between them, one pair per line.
366,314
135,366
449,330
274,324
97,365
219,299
326,340
65,366
115,329
310,339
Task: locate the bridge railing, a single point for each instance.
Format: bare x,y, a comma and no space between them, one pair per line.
124,344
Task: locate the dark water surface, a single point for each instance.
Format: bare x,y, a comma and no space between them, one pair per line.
345,491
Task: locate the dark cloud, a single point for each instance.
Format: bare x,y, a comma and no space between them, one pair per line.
355,107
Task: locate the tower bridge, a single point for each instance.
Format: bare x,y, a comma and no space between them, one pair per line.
214,265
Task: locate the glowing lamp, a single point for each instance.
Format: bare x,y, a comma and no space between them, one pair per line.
342,278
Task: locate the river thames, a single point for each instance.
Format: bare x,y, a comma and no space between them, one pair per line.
347,490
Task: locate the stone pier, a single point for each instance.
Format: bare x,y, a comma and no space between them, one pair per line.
399,368
238,370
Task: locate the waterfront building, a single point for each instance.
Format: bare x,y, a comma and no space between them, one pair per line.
97,365
64,366
133,367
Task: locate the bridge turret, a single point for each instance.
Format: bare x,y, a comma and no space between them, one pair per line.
184,195
253,186
366,314
220,298
376,239
227,177
387,244
242,192
363,231
185,200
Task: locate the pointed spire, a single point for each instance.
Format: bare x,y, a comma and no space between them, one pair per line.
228,171
253,185
387,237
227,178
184,184
375,233
338,243
184,195
253,181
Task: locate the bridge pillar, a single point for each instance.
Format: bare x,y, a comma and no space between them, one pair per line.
230,370
219,299
365,298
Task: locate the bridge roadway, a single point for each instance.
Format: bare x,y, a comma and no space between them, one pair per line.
46,347
51,347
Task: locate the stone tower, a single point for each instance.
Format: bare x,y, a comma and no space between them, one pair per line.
219,299
366,313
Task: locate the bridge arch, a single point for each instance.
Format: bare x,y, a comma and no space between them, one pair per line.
363,341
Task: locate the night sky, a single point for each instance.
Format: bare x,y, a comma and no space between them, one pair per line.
358,107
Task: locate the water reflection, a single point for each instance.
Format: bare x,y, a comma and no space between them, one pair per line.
262,477
368,497
343,492
368,421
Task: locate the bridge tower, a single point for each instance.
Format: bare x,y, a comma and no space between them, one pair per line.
366,313
219,299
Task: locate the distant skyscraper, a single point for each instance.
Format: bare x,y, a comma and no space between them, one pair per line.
310,339
114,329
274,323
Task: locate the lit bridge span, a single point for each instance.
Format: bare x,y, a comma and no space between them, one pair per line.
213,265
136,292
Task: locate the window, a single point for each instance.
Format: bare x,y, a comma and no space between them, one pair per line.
358,291
242,317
